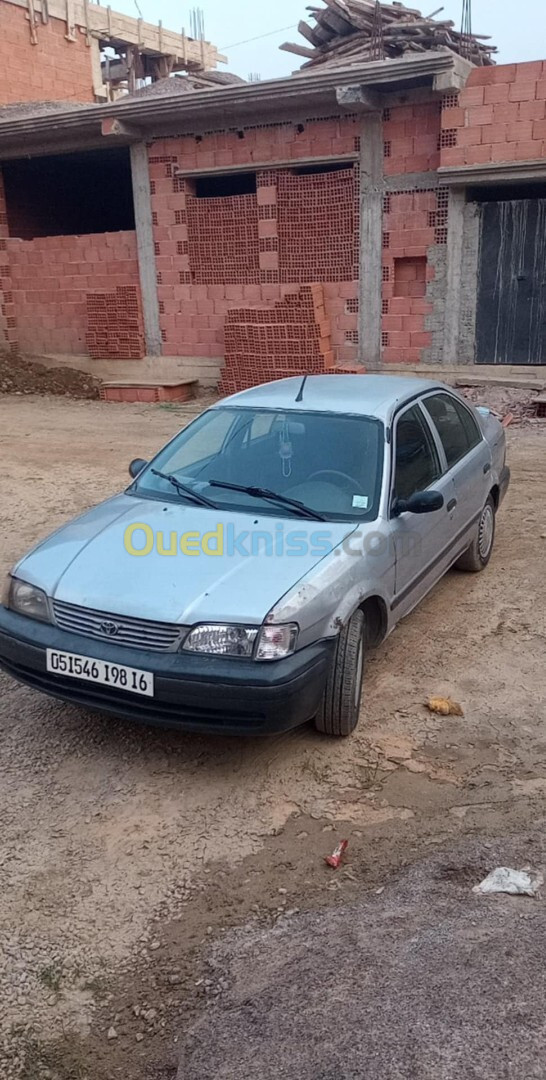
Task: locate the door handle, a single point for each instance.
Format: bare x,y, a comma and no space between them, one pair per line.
451,505
487,468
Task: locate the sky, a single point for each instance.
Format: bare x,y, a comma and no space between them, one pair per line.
518,29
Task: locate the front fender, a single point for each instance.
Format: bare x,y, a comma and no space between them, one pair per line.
323,601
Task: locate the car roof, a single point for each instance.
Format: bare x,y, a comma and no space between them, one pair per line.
365,395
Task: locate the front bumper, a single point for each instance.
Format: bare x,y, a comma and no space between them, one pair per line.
207,694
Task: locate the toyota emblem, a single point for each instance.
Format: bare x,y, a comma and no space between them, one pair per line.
109,628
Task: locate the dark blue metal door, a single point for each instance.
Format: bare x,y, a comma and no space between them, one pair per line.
511,313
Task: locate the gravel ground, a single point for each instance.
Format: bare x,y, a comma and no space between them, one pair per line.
421,979
124,849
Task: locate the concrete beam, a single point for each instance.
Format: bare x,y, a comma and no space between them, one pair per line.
118,128
371,240
269,166
411,181
446,82
145,247
359,98
505,172
455,233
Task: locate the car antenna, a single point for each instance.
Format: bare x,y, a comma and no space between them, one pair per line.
300,391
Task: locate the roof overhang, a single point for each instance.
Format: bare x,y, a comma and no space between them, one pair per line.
302,95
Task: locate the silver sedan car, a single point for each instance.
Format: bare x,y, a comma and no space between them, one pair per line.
239,581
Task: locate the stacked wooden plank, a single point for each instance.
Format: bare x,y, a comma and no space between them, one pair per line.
350,31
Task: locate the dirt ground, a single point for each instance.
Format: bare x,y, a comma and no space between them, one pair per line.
124,851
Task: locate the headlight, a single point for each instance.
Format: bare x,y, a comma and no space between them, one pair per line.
217,639
27,600
275,642
221,640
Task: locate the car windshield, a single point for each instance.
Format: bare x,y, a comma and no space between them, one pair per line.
330,464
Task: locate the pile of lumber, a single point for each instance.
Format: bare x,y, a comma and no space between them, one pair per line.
350,31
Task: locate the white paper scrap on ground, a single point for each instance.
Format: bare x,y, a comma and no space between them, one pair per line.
516,882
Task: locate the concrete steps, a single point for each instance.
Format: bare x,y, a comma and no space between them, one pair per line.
159,370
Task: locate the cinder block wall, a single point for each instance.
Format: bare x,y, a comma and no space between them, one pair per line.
54,69
52,279
213,255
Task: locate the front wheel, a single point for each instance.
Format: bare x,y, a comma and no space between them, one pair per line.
478,554
338,714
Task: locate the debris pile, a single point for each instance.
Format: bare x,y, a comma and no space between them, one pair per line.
519,405
187,84
350,31
18,376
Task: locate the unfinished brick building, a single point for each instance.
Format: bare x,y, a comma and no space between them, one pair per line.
391,213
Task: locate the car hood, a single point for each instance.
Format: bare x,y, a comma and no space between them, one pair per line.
86,562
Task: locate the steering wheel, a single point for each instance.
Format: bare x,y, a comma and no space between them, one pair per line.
355,486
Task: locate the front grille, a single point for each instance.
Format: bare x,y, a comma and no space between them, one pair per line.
136,633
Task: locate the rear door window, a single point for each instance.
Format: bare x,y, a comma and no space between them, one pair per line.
459,432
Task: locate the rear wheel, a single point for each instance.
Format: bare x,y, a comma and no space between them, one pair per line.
478,554
340,705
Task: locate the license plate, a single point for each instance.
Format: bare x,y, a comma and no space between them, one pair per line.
117,676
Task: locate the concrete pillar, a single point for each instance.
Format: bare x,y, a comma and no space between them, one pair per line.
145,247
371,239
455,233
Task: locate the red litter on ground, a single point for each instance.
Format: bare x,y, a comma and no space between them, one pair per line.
335,858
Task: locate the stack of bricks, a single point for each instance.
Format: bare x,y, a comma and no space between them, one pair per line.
222,232
500,116
8,318
52,277
291,338
318,225
55,68
114,325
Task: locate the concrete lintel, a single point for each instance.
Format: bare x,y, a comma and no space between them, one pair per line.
371,237
410,181
145,247
359,98
509,172
269,166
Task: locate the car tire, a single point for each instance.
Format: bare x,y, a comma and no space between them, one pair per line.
478,554
338,714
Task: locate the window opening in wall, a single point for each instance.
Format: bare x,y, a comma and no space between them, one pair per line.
69,194
317,170
220,187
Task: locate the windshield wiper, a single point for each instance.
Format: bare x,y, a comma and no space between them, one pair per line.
274,496
183,489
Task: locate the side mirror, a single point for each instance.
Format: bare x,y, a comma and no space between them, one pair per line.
421,502
136,466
